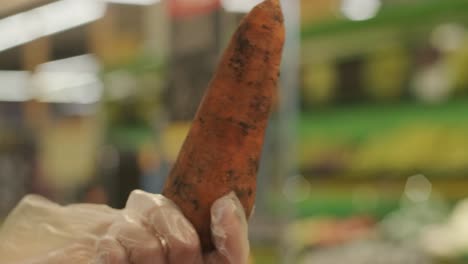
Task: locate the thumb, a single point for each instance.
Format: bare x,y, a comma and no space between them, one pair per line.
229,231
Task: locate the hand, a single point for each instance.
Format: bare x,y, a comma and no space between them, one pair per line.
150,229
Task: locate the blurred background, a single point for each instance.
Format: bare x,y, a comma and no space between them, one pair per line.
367,155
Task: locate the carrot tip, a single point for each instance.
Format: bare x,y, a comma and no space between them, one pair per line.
274,7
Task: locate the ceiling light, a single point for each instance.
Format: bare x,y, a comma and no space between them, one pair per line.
82,63
15,86
239,6
71,80
47,20
68,87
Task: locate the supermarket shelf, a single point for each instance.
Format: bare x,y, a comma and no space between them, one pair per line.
452,188
340,197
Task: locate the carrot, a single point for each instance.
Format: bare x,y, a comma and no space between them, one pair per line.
222,150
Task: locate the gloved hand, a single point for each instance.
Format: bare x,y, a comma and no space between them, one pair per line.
150,229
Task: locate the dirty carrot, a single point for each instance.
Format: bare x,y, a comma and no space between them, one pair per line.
222,150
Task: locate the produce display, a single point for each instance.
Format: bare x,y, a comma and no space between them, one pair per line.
382,138
368,141
388,119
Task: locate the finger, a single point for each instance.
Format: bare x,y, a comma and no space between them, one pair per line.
78,253
167,221
229,231
90,218
109,251
139,244
140,203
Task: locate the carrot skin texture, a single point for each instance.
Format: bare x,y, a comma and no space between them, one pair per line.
222,150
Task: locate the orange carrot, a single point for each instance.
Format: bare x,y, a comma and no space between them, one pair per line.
222,150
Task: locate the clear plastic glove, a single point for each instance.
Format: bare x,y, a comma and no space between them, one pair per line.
150,229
